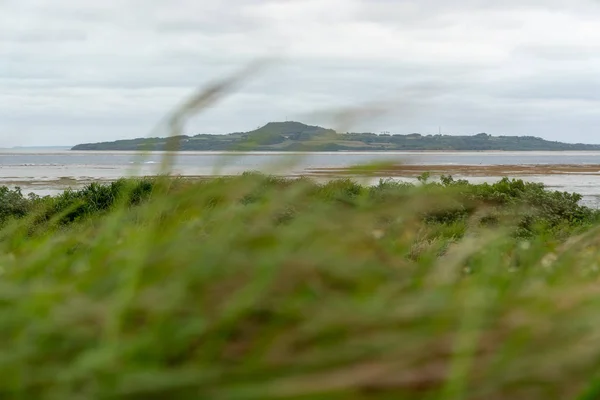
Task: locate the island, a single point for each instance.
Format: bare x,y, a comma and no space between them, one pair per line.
296,136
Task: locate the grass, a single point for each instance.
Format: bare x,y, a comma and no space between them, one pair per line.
264,288
256,287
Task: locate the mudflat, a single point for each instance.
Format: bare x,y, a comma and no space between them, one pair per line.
410,170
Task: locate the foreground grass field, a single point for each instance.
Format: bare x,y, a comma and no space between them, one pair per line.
262,288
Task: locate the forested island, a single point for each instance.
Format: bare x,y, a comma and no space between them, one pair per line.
296,136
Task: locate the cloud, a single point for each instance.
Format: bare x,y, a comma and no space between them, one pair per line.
77,72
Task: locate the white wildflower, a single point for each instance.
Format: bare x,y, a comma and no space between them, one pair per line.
377,233
548,260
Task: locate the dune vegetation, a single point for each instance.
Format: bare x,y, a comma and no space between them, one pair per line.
255,287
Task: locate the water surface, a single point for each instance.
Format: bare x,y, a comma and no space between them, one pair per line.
46,171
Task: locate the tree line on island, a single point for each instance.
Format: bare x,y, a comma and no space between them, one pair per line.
296,136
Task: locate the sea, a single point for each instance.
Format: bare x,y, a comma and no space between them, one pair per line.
46,171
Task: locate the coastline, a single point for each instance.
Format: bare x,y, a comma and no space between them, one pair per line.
283,152
536,172
413,170
398,170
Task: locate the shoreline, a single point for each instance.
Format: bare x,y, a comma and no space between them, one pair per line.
413,170
399,170
588,188
42,150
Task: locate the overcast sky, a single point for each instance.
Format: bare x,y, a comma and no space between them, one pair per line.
74,71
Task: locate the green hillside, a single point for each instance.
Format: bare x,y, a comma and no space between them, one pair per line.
296,136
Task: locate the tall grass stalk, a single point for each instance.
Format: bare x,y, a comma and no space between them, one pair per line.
259,287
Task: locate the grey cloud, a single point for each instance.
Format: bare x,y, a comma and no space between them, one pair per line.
559,53
42,36
409,9
192,18
75,71
560,89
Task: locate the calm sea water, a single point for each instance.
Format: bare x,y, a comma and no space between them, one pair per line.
46,171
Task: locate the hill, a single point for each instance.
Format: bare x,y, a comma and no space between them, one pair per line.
296,136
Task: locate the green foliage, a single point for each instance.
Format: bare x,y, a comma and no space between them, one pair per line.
424,177
295,136
73,205
12,203
528,206
258,287
536,208
97,198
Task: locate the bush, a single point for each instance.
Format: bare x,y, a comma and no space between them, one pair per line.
535,208
529,207
13,204
261,288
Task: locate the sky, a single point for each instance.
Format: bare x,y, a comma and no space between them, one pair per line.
75,72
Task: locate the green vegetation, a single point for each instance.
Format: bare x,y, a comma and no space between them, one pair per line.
295,136
256,287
